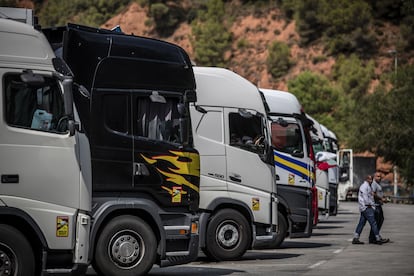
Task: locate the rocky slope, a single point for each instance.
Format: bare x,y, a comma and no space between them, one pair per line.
256,33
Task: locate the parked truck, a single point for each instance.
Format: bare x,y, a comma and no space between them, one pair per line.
331,145
238,201
134,101
294,162
45,189
352,172
322,157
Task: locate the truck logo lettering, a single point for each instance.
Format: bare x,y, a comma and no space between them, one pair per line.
216,175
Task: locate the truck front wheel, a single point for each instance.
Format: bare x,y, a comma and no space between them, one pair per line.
126,246
228,235
16,254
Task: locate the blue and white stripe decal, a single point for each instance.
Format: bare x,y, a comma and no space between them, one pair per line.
294,166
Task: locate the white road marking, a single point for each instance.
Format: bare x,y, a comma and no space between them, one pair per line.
338,250
317,264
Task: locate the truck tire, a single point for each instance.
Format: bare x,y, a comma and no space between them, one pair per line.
126,246
281,235
228,235
283,228
16,253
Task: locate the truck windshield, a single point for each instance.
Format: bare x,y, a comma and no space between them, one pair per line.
39,107
317,145
288,138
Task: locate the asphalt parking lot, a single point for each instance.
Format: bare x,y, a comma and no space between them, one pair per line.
328,252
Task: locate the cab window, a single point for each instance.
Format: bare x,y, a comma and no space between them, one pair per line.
246,132
159,121
39,107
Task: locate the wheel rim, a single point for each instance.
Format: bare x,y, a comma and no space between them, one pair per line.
228,234
8,261
126,249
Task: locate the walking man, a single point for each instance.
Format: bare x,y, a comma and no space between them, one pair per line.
379,201
366,205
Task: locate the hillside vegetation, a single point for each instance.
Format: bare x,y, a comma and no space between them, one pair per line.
350,62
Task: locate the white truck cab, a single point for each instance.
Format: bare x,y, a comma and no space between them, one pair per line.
45,189
321,168
237,182
293,159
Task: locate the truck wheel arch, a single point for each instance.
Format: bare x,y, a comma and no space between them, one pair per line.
219,204
20,219
145,212
28,227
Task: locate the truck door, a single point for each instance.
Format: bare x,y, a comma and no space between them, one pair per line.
35,140
162,165
208,125
247,174
111,141
293,165
346,172
294,173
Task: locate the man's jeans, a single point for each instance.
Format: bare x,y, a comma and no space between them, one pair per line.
379,218
367,215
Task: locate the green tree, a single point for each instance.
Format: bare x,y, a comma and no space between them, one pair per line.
317,96
86,12
385,124
308,20
167,15
278,61
353,75
211,37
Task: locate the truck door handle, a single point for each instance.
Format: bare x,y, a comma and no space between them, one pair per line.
9,178
140,169
235,178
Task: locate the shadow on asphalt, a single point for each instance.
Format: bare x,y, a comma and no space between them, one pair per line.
321,227
329,234
261,255
332,222
300,244
192,270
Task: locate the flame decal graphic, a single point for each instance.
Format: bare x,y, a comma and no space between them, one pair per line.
179,168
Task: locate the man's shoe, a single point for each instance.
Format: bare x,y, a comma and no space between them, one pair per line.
382,241
357,241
